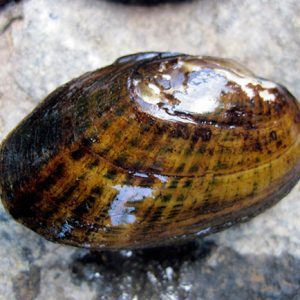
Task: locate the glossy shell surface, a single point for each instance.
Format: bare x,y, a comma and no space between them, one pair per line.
151,149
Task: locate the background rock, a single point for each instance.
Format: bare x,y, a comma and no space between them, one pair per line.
45,43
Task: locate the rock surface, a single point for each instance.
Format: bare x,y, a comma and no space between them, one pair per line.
45,43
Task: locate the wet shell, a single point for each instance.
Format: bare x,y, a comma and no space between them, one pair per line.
151,149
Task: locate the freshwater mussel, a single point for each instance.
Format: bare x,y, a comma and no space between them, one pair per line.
155,148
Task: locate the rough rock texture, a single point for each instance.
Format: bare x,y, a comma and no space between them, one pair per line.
44,43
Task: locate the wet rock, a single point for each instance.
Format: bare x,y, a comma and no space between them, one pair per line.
26,284
198,270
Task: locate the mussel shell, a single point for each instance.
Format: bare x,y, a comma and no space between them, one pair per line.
151,149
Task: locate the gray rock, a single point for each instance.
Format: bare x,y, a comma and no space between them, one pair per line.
46,43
